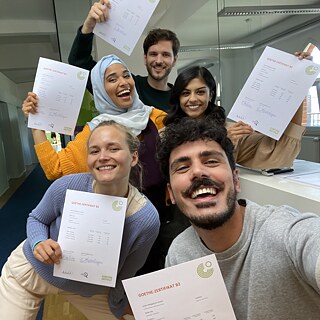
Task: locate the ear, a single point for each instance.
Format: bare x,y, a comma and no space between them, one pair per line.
211,96
145,59
171,193
135,159
174,60
236,180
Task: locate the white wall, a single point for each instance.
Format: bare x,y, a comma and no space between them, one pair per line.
16,144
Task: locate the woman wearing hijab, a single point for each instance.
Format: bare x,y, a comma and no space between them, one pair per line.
115,98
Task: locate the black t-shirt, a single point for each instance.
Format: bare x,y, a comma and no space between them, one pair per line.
150,96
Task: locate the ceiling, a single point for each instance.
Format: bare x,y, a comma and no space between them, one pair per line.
29,30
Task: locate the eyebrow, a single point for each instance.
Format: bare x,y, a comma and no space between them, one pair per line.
179,160
159,51
115,73
207,153
109,144
204,87
203,154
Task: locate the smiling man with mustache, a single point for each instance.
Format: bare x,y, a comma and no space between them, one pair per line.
269,256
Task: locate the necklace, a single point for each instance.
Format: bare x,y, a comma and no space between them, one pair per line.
94,186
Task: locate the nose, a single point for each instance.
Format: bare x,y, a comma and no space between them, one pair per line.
193,96
159,59
104,155
198,170
123,82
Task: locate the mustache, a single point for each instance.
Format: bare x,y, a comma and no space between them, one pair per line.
205,182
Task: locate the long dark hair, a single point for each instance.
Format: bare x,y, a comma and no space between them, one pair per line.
213,111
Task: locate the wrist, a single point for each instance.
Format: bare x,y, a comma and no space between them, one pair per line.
87,28
34,245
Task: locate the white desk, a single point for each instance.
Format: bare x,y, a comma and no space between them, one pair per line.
283,189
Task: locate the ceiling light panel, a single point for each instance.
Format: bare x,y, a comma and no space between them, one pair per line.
265,10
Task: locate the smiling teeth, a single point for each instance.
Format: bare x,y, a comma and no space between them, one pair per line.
202,191
124,91
194,107
105,168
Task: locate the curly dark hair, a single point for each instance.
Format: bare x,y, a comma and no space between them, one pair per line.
213,111
189,130
156,35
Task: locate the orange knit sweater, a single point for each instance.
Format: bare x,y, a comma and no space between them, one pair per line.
73,158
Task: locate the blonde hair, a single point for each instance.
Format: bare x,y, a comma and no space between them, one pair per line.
133,142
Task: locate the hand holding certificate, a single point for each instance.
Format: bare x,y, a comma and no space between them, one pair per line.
60,88
90,237
191,290
126,23
273,92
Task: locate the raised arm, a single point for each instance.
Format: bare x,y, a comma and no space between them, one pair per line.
71,159
99,12
30,105
80,53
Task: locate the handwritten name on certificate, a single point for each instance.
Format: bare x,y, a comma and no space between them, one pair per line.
127,20
60,88
274,91
90,237
191,290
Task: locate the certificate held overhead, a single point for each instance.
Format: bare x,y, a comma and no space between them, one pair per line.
126,23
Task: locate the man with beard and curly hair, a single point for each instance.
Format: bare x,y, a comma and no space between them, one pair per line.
269,256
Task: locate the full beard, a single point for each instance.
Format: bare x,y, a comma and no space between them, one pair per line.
214,220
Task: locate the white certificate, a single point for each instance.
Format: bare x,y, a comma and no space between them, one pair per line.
90,237
127,20
273,92
191,290
60,88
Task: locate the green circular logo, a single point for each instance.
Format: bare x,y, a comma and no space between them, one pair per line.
205,270
117,205
81,75
311,70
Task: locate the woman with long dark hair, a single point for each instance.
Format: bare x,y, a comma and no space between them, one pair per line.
207,91
194,94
